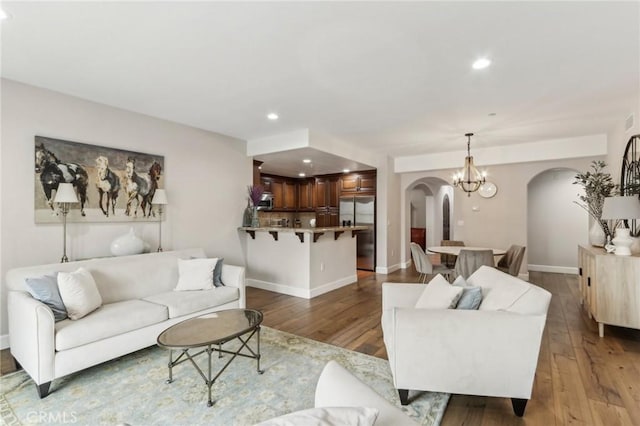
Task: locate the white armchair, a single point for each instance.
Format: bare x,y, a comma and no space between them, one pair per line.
492,351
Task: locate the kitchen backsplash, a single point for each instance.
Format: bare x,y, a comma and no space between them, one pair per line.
271,218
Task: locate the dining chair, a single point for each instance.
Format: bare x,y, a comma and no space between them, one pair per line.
512,260
425,267
470,260
450,259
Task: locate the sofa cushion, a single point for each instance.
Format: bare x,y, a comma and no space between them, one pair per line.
326,416
186,302
499,290
109,320
195,274
439,294
45,289
79,293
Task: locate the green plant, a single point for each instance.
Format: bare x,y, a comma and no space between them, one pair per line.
597,186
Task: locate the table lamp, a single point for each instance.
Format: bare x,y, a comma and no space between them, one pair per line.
159,199
65,196
621,207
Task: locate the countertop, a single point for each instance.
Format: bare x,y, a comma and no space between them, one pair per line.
305,230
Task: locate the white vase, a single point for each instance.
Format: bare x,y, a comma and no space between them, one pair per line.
127,244
597,237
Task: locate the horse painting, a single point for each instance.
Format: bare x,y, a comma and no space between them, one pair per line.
108,184
140,188
54,172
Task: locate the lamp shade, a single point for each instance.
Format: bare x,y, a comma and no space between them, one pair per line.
620,207
66,194
160,197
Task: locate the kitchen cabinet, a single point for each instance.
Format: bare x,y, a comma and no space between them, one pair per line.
305,195
284,190
327,192
290,189
358,183
609,287
327,217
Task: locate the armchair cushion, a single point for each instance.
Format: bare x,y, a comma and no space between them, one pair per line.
499,290
45,289
471,296
439,294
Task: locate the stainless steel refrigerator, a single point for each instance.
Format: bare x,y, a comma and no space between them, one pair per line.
361,210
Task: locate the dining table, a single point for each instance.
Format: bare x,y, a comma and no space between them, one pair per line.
455,250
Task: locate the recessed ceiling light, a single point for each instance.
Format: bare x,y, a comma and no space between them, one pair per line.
345,170
301,174
481,64
306,160
4,15
272,116
492,114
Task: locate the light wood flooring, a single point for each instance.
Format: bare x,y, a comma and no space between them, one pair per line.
581,379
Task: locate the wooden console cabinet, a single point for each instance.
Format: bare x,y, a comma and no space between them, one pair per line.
609,287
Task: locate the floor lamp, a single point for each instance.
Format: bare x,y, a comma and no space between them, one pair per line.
65,196
159,199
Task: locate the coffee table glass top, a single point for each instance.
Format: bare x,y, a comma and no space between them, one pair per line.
214,328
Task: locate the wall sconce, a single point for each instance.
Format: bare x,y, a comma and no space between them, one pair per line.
65,196
159,200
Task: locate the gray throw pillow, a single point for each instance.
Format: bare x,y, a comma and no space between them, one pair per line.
217,273
45,289
471,296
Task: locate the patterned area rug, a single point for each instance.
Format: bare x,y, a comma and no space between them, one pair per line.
132,390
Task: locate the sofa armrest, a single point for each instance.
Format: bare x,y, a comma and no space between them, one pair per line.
32,335
492,353
400,295
337,387
233,276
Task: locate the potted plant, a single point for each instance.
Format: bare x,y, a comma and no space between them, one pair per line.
597,186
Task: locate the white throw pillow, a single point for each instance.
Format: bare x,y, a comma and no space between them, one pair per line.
195,274
439,294
499,290
326,416
79,293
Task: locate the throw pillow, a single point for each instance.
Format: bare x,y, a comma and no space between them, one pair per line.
217,273
45,289
471,296
327,416
439,294
79,293
195,274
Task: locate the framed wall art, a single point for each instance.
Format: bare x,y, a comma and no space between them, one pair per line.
113,185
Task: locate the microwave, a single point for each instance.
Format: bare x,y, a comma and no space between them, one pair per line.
266,201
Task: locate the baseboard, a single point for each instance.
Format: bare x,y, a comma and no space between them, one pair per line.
388,269
301,292
554,269
4,341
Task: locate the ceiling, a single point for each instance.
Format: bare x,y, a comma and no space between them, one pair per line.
389,77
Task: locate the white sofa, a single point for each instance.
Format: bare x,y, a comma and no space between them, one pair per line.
492,351
138,304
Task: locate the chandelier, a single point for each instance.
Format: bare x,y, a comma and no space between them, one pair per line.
469,179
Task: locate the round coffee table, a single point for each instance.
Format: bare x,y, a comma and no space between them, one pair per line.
210,332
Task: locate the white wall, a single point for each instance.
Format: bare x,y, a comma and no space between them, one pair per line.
388,217
556,225
419,206
206,178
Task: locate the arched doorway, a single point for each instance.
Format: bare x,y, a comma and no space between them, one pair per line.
423,204
446,218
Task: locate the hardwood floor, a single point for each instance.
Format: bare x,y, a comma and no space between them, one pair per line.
581,379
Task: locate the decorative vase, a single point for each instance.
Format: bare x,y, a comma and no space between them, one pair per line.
247,218
127,244
597,237
255,221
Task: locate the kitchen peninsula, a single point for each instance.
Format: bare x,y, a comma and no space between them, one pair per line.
302,262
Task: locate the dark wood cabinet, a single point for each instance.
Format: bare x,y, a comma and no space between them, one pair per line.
327,192
419,236
305,195
358,183
290,189
327,217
